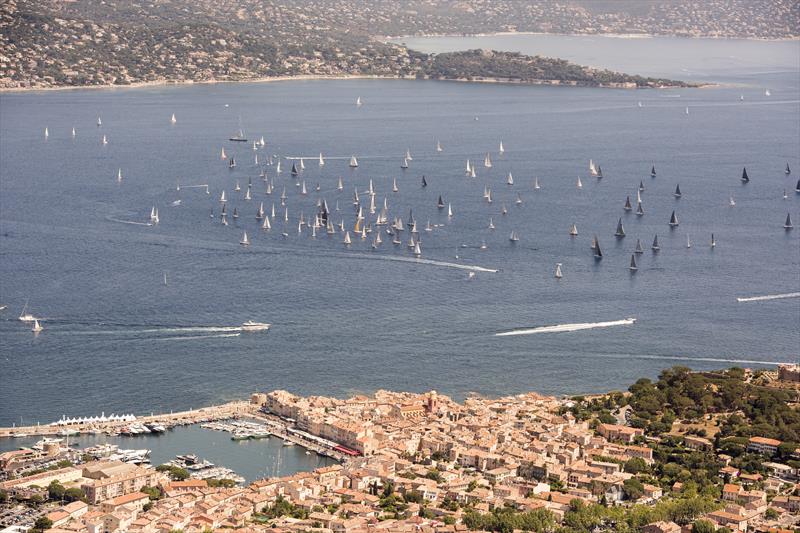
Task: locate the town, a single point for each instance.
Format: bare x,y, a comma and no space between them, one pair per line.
714,451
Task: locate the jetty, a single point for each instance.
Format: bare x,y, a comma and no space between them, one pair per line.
94,425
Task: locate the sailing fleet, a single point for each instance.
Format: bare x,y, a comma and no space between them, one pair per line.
376,215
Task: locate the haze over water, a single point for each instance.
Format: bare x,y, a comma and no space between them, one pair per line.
352,320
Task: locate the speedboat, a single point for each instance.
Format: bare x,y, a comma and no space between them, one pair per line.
255,326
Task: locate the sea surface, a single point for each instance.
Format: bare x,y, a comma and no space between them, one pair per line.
75,244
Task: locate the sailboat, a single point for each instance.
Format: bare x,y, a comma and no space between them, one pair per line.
295,171
278,168
222,155
222,197
119,175
260,212
491,223
745,177
732,202
639,104
165,279
339,185
502,149
438,146
598,254
633,267
73,134
688,241
653,171
239,136
36,326
302,164
558,273
353,162
639,210
472,173
656,247
673,220
235,213
247,194
788,224
510,179
408,155
638,249
154,215
514,237
424,182
713,241
468,169
417,249
172,119
347,241
46,133
620,229
245,241
677,193
641,186
579,184
404,164
788,170
797,187
487,161
321,160
767,93
358,102
440,203
599,172
573,230
449,211
261,141
237,187
105,140
394,185
627,206
303,189
536,186
592,168
232,163
518,201
99,122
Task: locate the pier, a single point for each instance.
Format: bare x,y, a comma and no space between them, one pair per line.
212,413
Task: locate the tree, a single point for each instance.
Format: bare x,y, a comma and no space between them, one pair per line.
42,523
635,465
633,488
74,494
55,490
703,526
771,514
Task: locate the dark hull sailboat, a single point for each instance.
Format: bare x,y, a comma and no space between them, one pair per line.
745,177
620,230
673,220
653,172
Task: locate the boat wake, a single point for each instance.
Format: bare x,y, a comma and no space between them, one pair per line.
769,297
563,328
198,337
112,219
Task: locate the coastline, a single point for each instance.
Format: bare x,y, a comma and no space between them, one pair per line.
396,38
314,77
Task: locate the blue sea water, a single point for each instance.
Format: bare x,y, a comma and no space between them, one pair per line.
352,319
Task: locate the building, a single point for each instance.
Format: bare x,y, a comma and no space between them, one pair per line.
789,373
763,445
614,432
110,479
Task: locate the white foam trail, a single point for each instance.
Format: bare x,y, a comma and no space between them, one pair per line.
196,337
769,297
118,330
562,328
112,219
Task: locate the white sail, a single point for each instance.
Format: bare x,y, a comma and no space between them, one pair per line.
353,162
347,239
573,230
105,140
358,101
261,141
487,161
46,133
321,160
536,184
558,273
73,132
340,185
417,250
510,179
247,194
449,211
438,146
502,149
172,119
408,155
119,175
222,154
592,168
36,326
394,185
245,241
302,164
579,184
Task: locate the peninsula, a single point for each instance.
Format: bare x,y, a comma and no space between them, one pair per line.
712,450
120,43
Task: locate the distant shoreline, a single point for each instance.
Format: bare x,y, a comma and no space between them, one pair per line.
397,38
165,83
